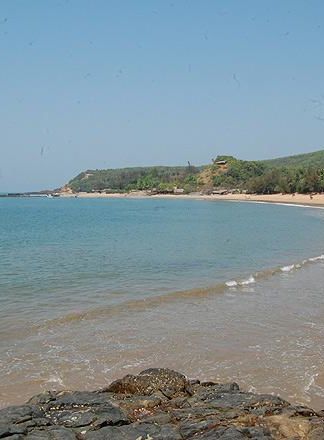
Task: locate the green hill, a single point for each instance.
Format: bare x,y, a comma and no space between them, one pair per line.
140,178
299,173
315,159
303,173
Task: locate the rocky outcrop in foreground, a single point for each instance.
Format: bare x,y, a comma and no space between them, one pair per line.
160,404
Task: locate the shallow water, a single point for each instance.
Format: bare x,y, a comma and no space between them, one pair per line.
93,289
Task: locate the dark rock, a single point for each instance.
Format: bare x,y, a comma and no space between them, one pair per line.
223,433
78,399
215,390
191,427
160,404
168,382
8,430
52,434
194,381
78,409
19,414
143,431
303,411
208,383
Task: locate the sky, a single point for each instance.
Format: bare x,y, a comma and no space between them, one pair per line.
89,84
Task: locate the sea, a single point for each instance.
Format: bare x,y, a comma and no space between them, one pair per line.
94,289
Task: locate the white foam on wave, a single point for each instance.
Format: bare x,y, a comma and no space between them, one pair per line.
287,268
310,382
250,280
313,259
290,267
232,283
289,204
55,378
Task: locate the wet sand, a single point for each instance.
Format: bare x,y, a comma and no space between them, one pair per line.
267,336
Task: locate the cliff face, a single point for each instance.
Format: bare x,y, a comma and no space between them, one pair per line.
160,404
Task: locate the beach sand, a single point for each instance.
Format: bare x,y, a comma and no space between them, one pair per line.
296,199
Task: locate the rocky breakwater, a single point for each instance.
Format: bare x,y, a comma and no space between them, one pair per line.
160,404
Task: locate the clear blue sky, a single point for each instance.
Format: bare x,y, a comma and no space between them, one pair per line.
105,84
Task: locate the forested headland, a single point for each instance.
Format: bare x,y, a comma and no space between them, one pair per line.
301,173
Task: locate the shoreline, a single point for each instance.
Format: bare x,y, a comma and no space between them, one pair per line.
252,351
304,200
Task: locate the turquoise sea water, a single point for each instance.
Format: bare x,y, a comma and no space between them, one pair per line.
69,261
60,254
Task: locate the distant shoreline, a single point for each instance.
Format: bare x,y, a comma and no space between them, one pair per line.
302,200
287,199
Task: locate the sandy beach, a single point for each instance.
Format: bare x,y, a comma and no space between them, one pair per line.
295,199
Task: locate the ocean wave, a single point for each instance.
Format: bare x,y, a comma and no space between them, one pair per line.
232,283
141,304
288,268
250,280
312,387
270,272
320,257
291,204
55,379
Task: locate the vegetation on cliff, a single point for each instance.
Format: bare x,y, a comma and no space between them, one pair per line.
141,178
287,175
